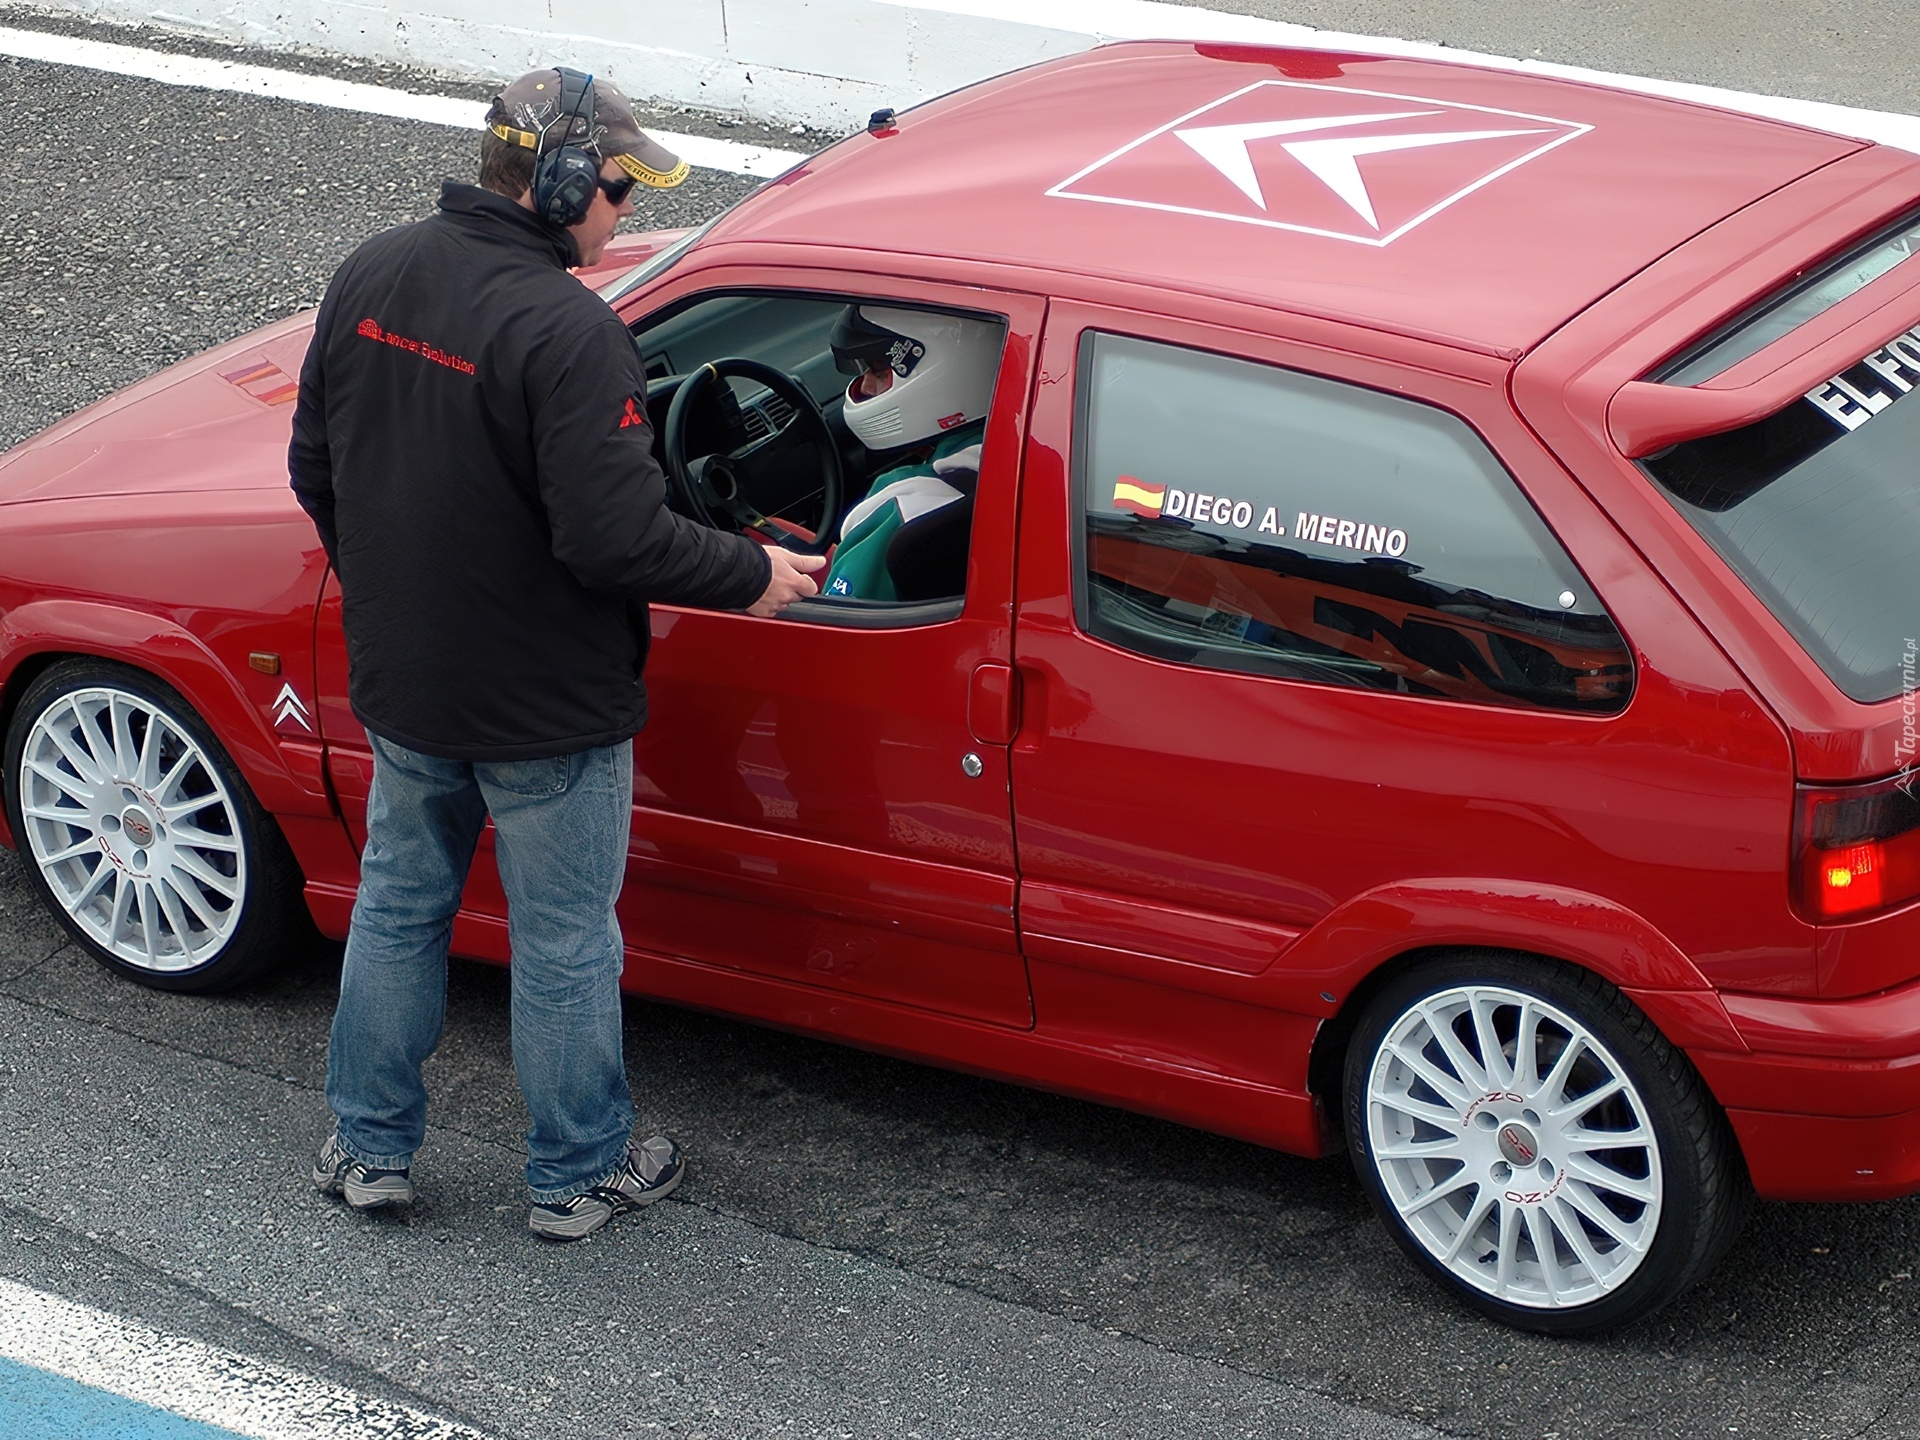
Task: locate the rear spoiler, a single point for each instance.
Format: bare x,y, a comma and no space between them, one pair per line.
1646,416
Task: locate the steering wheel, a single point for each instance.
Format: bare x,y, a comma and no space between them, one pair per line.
712,486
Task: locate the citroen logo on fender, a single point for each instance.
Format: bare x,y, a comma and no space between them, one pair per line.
287,706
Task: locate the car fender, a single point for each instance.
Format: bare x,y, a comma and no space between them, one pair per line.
1359,939
168,652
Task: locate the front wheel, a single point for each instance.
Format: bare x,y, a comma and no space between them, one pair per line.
141,835
1536,1145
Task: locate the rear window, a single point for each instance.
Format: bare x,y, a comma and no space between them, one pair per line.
1818,509
1796,304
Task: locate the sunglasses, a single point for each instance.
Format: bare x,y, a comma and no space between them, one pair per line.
615,190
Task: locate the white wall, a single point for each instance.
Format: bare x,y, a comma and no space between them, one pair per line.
825,62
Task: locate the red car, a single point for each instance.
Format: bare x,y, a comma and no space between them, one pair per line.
1427,669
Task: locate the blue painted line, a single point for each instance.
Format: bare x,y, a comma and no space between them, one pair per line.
38,1405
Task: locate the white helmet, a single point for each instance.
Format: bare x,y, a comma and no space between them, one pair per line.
939,370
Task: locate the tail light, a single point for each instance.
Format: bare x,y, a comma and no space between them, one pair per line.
1857,849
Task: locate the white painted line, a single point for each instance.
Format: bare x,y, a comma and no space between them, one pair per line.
1104,20
195,1381
203,74
729,155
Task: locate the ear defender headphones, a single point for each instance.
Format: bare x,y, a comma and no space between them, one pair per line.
565,176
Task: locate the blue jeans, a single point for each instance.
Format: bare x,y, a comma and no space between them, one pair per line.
560,827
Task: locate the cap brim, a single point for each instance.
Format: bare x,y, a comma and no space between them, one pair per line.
652,165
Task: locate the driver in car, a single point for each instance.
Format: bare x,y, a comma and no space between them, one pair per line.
921,383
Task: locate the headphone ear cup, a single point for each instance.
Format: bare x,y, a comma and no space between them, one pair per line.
563,185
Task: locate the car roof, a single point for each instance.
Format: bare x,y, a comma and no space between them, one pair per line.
1475,206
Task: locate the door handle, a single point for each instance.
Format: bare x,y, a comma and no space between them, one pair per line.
993,703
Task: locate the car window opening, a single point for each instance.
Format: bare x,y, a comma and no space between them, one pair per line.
903,390
1242,517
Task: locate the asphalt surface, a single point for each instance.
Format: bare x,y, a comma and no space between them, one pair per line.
1838,50
145,222
865,1247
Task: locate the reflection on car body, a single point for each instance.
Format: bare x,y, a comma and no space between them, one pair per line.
1275,612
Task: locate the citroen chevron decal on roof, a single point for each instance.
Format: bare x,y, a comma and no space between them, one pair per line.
1225,146
1340,158
1331,161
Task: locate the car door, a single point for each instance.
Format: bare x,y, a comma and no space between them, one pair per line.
822,798
1289,633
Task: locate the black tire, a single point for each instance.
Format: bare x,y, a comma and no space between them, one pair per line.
262,922
1693,1170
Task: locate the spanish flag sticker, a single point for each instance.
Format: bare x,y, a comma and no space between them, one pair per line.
1139,497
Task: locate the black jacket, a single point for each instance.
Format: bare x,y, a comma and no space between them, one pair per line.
471,441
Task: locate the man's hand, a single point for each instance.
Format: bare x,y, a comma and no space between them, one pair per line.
792,580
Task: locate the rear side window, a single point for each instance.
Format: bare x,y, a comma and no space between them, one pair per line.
1242,517
1817,508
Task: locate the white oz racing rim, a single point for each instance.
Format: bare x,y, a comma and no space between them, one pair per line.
1514,1147
133,829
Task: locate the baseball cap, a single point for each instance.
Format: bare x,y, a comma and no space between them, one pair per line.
530,108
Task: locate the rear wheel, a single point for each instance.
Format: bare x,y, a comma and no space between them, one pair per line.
1536,1145
142,836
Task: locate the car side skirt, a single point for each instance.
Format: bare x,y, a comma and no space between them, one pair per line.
1262,1114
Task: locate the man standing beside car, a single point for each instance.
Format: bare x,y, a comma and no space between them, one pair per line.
472,442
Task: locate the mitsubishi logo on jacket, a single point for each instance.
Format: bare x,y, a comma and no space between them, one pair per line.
633,415
1361,165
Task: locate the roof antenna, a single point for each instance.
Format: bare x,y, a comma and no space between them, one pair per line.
882,123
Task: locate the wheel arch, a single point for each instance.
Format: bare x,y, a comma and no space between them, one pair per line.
38,635
1665,1147
1358,949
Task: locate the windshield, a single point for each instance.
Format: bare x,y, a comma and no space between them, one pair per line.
1818,508
659,262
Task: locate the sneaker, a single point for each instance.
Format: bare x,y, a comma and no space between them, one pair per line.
653,1170
338,1173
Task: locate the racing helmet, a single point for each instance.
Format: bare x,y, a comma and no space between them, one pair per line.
938,372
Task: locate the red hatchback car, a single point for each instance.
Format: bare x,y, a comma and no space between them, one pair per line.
1428,667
